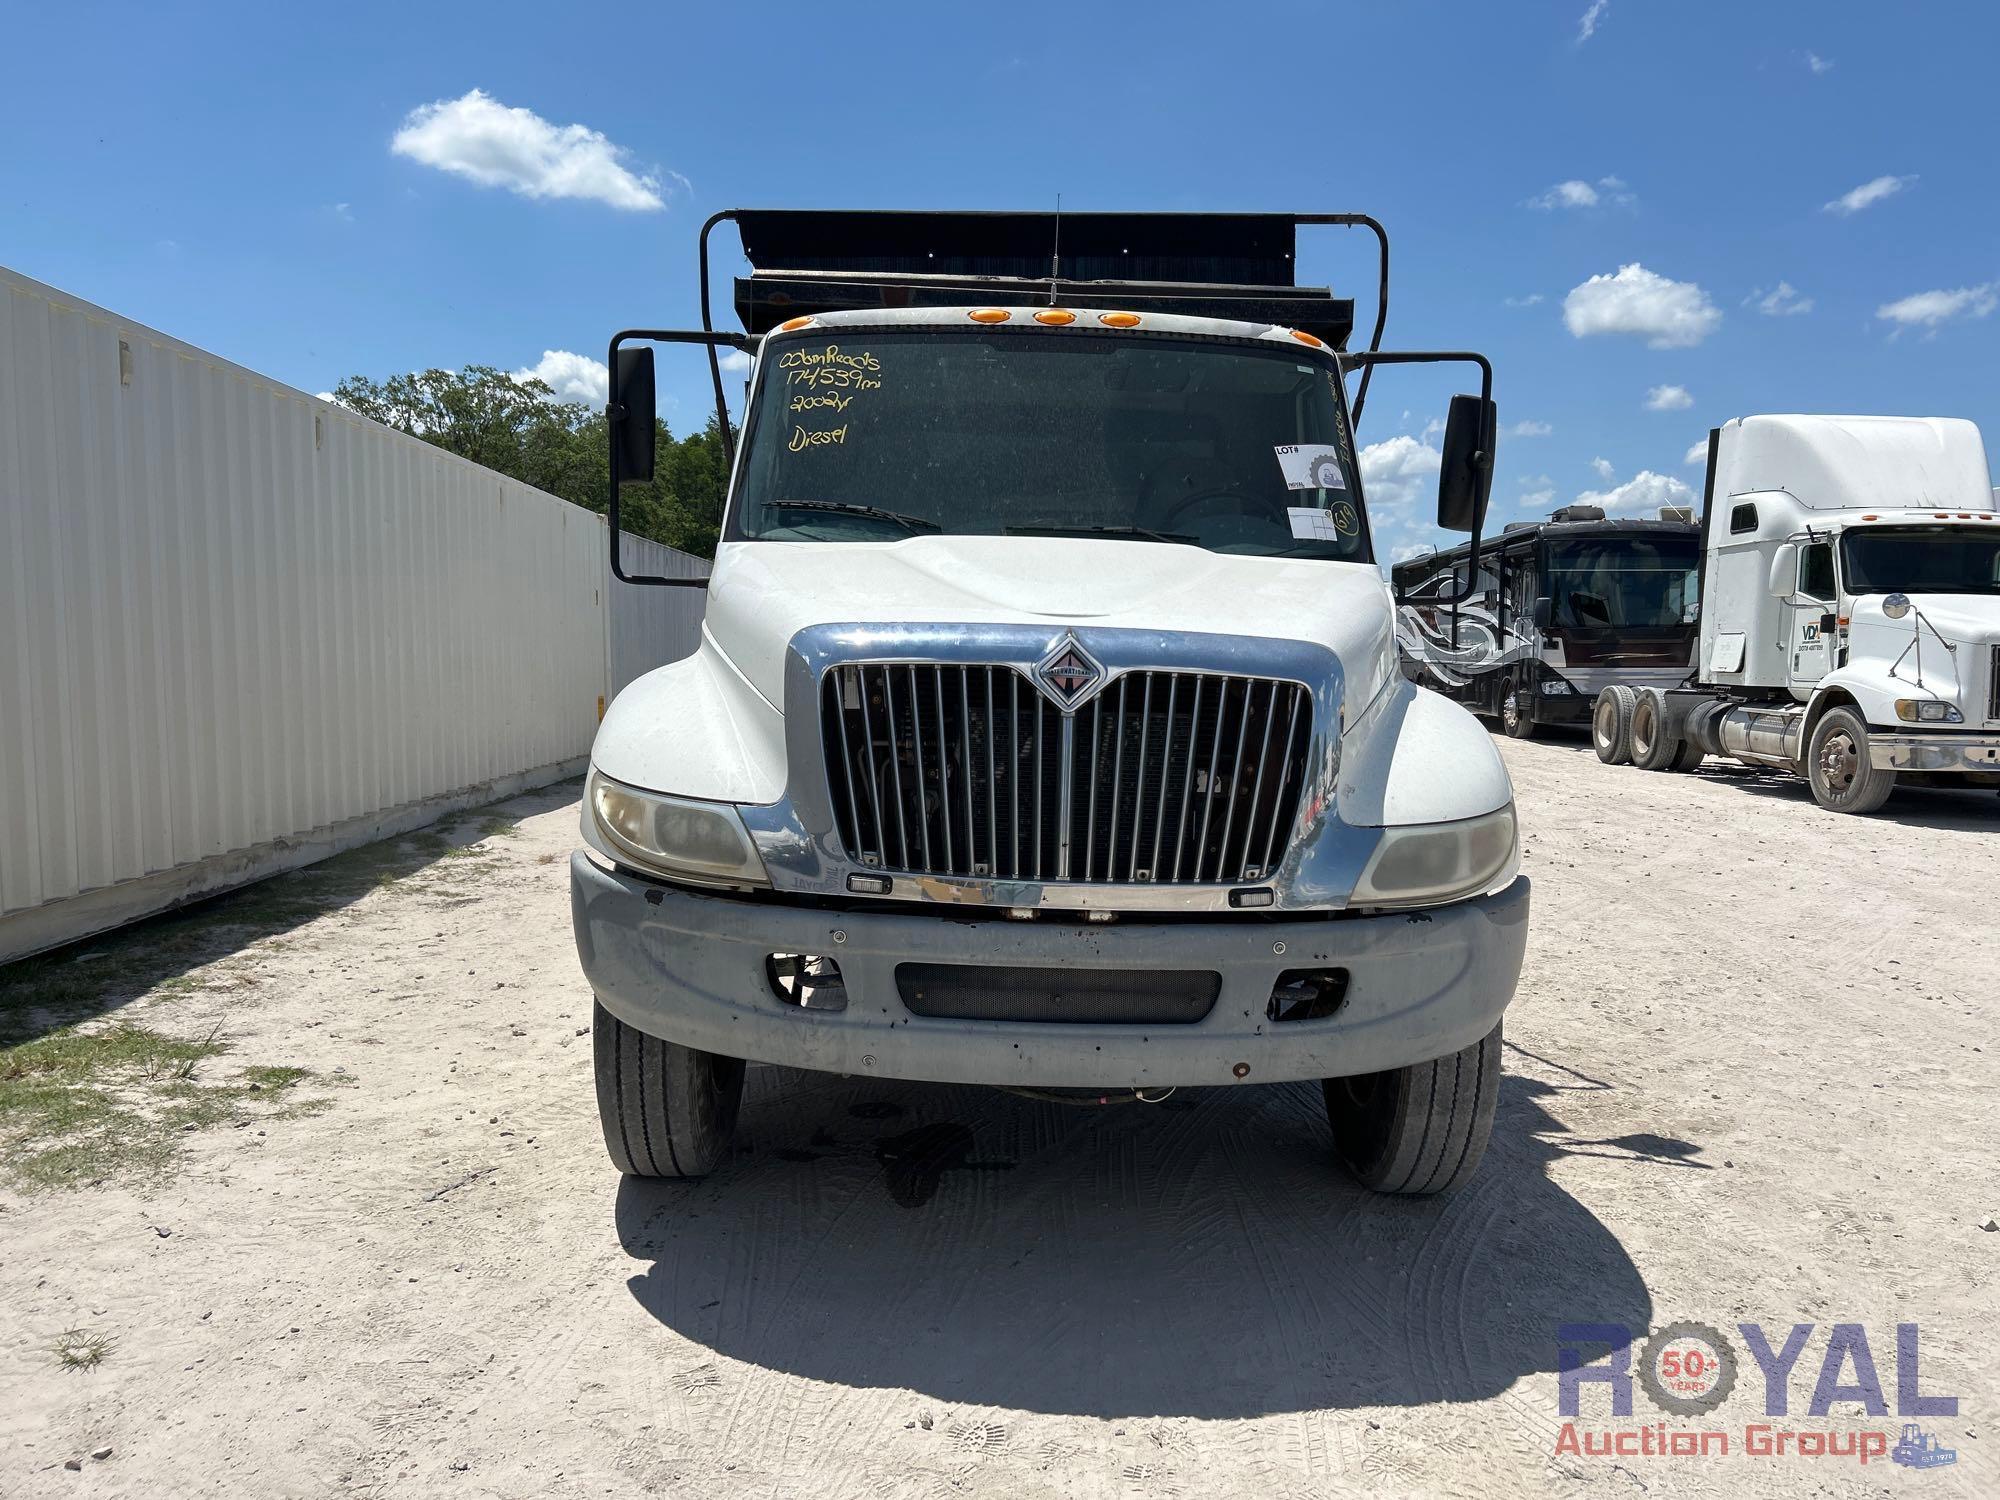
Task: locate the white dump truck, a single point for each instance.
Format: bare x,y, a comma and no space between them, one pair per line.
1849,612
1046,730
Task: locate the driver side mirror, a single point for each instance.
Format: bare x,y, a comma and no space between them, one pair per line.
631,410
1545,612
1465,477
1783,582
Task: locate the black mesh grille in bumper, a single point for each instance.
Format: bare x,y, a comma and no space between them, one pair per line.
992,992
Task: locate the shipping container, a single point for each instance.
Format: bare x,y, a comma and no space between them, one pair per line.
242,628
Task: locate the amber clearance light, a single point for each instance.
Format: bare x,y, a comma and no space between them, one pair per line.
1055,317
989,315
1119,320
1306,338
793,325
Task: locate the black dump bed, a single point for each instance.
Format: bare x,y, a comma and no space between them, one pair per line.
1205,265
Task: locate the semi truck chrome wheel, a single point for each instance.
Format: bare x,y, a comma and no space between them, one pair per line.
1515,717
1837,766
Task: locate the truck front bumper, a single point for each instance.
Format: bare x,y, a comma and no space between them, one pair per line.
1933,752
692,968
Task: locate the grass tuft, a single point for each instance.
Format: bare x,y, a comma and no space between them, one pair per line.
87,1104
80,1348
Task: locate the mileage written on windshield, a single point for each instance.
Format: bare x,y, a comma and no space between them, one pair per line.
823,383
828,379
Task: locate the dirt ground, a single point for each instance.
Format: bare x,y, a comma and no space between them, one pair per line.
1750,1079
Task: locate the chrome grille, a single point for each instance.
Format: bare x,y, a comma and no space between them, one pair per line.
1162,777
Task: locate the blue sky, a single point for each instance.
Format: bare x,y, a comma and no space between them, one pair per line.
1785,207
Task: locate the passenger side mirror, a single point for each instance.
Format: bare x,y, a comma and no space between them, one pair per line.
1545,612
1465,477
1784,570
631,411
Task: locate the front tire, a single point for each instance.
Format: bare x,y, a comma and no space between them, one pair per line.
667,1110
1421,1129
1837,767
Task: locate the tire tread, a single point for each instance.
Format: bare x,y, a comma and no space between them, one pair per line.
1440,1118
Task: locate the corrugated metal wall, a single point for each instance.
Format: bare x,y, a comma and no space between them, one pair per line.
237,622
643,619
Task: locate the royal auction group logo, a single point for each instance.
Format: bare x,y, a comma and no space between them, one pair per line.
1690,1369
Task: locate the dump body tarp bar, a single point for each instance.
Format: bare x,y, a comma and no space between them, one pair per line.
1205,265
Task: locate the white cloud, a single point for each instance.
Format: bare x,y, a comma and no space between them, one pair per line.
573,377
1586,28
1870,192
1782,301
734,359
1399,476
1603,467
1572,194
1668,398
1576,193
1398,471
1698,454
1644,493
1819,64
1667,314
479,138
1929,309
344,212
1530,429
1537,499
1528,301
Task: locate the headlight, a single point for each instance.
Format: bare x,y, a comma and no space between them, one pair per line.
1426,864
700,841
1555,686
1928,711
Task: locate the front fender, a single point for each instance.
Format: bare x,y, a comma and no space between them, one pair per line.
1874,692
1417,757
695,728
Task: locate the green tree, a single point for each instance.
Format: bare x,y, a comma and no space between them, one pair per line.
518,428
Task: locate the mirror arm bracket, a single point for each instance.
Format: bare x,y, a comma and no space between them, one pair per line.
616,411
1483,459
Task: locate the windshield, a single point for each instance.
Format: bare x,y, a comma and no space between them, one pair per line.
1623,582
1917,560
872,436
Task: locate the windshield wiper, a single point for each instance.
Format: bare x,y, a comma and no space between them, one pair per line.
1145,533
915,525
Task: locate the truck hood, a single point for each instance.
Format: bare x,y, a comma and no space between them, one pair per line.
1973,619
1901,658
762,593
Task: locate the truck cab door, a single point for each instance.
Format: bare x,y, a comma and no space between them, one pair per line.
1812,605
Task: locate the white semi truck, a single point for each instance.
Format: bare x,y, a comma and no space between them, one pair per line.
1849,612
1046,730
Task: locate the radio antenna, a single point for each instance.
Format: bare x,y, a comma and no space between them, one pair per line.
1055,255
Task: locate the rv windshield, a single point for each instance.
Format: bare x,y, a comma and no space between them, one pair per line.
1623,582
1921,560
866,436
